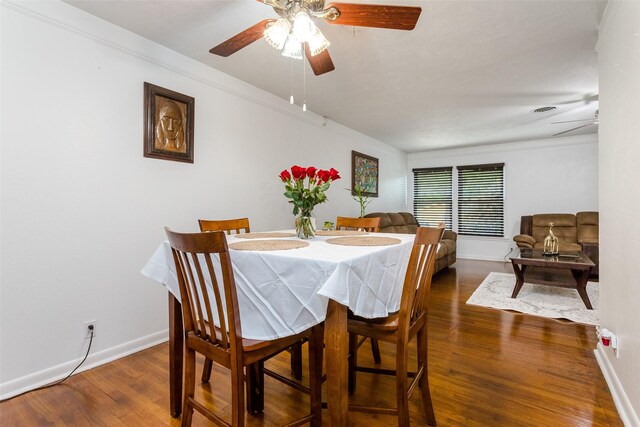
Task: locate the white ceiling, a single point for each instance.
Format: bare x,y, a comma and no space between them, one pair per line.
469,74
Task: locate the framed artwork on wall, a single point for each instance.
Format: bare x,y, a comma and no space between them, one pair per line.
168,124
364,174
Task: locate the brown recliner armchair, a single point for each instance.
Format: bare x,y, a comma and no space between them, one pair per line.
577,232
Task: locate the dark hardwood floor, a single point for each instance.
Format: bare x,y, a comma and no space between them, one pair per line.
486,367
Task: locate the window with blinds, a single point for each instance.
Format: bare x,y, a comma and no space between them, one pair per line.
432,196
481,200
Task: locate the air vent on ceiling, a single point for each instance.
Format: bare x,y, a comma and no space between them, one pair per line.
544,109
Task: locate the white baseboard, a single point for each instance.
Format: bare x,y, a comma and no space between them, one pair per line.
622,402
31,381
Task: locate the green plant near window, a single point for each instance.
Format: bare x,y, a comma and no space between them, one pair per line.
362,199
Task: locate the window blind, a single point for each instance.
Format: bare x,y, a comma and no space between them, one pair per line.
432,196
481,200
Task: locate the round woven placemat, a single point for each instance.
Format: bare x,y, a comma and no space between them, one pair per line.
364,241
268,245
340,233
268,235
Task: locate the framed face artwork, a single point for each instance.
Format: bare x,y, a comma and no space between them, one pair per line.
168,124
364,174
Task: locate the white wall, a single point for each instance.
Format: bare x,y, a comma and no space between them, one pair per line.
619,68
547,176
82,210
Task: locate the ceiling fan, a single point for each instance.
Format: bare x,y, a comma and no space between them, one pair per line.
295,32
594,121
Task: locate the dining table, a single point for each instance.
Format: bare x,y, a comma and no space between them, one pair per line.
286,285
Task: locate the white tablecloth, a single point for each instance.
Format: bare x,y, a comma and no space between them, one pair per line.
281,293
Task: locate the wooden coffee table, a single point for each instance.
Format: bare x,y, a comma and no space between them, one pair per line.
553,271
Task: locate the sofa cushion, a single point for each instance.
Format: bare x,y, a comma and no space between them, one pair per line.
587,223
564,227
398,223
410,222
445,247
385,221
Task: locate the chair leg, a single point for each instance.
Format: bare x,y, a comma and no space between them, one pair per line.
353,361
375,351
316,348
255,387
424,380
206,370
296,361
402,384
237,395
189,386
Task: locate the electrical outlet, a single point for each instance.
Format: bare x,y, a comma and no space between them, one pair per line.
87,330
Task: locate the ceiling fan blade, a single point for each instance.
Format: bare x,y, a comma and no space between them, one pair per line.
571,130
321,63
571,121
378,16
242,39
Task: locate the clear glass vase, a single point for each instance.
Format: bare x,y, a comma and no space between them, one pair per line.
305,226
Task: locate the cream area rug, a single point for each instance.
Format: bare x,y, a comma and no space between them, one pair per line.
540,300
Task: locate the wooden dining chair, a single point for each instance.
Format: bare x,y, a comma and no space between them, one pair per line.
221,341
227,225
371,225
400,328
365,224
236,226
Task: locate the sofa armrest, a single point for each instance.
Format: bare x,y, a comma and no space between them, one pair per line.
524,241
450,235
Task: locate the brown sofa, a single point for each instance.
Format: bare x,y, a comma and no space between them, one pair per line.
577,232
405,222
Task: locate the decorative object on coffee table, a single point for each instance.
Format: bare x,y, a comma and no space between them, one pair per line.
550,243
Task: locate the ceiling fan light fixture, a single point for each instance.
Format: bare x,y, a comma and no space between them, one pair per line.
303,27
292,48
277,33
318,42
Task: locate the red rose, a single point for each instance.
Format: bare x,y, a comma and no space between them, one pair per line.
324,175
285,175
298,172
311,172
334,174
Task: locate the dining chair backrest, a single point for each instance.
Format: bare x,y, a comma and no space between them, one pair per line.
417,282
226,225
365,224
200,290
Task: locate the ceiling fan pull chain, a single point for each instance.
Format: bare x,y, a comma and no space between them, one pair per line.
304,85
291,80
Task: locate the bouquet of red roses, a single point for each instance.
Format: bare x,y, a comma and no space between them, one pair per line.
306,187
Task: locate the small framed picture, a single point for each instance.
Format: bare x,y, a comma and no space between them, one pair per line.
364,174
168,124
